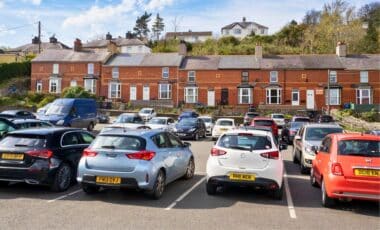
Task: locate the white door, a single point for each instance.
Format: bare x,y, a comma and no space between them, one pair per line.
310,99
146,93
295,97
211,98
132,93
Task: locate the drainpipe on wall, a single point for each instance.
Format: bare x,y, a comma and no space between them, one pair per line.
328,92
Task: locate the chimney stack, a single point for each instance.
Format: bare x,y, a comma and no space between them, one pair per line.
244,19
129,35
77,45
258,51
112,47
53,39
35,40
341,49
182,48
108,36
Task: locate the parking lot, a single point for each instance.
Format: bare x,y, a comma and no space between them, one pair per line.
184,205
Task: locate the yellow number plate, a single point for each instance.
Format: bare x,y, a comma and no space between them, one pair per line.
108,180
12,156
223,129
367,172
245,177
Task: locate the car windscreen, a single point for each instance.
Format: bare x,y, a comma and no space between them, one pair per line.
365,148
245,142
297,125
23,141
318,133
188,121
56,109
157,121
146,111
207,120
224,123
263,123
278,116
326,118
128,119
134,143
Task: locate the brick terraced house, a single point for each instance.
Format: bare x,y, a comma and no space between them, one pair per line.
275,81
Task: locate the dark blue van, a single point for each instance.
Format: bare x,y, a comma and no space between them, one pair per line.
72,112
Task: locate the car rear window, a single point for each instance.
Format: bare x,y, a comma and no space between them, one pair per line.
279,116
251,115
304,119
318,133
224,123
245,142
119,142
23,141
365,148
263,122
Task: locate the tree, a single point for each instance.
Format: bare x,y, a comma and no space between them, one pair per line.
158,26
370,42
312,17
141,28
370,13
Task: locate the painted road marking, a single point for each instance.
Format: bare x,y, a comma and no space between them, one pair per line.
64,196
292,211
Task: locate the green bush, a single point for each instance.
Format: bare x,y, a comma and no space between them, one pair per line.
47,99
76,92
371,116
15,69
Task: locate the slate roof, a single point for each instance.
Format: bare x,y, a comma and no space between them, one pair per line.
361,62
201,63
189,33
102,43
243,25
152,59
238,62
33,48
71,56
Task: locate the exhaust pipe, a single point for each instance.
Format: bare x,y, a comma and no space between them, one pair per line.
31,181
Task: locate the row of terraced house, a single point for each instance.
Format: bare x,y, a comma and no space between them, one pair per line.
295,81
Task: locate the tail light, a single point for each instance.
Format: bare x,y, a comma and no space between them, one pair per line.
142,155
41,153
292,132
336,169
89,153
271,155
217,152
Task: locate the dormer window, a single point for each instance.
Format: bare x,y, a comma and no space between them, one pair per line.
273,76
115,72
333,77
55,68
165,72
191,76
245,76
90,68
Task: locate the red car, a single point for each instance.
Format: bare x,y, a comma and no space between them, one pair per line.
266,122
347,166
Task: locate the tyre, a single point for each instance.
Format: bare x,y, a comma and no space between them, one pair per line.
190,169
326,200
4,183
90,189
90,127
211,188
159,186
62,178
196,136
278,193
303,168
313,181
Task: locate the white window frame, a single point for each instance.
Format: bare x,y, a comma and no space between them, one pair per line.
334,99
333,77
39,86
55,68
243,94
90,85
164,91
191,76
117,93
237,31
191,98
54,85
269,96
73,83
273,76
115,72
165,72
360,97
90,68
133,95
363,76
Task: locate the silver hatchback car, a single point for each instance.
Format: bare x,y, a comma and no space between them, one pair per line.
140,159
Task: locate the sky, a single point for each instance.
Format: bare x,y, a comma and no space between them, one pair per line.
92,19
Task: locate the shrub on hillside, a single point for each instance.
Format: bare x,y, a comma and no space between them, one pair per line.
76,92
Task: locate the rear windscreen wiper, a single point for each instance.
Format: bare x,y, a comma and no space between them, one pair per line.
108,147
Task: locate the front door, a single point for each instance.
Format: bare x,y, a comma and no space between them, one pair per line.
133,93
295,97
146,93
224,97
211,98
310,99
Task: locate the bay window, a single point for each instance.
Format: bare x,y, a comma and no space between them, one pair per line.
245,95
273,96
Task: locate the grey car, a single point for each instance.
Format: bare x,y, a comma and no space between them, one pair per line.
140,159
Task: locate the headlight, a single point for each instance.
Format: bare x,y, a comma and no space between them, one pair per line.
192,130
60,122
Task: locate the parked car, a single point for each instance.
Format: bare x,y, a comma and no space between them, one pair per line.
72,112
41,111
266,121
249,116
130,121
103,118
221,126
42,156
166,123
249,158
301,119
6,126
209,122
187,114
141,159
147,113
347,166
279,118
289,131
31,123
190,128
17,114
374,132
324,119
309,136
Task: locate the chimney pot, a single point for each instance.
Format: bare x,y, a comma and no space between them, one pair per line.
341,49
244,19
53,39
108,36
112,47
35,40
182,48
258,51
77,45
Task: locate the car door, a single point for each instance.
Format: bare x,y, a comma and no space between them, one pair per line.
165,155
181,154
72,145
322,158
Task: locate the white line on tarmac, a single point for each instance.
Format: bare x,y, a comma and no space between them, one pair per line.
185,194
64,196
298,177
292,211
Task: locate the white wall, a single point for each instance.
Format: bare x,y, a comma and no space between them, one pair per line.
244,31
135,49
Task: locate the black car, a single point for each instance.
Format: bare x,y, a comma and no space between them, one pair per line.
47,156
17,114
188,114
324,119
6,126
290,129
190,128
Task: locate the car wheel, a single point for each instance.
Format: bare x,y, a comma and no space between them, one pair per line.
303,168
190,169
196,136
90,127
62,178
326,200
90,189
278,193
4,183
313,181
159,186
211,188
295,160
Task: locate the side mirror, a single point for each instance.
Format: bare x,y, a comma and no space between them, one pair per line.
297,137
314,149
186,144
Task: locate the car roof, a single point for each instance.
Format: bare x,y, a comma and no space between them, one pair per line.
255,131
204,117
43,131
357,136
20,121
318,125
11,111
131,132
161,117
129,114
225,119
263,118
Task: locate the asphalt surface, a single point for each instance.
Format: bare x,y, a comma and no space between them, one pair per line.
184,205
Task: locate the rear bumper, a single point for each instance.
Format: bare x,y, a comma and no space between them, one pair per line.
129,183
30,175
262,183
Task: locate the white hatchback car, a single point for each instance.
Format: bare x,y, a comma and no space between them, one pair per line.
221,126
279,118
246,158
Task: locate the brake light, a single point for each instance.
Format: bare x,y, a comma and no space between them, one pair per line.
336,169
271,155
292,132
217,152
42,153
89,153
142,155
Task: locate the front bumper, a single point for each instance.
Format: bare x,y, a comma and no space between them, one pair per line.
308,159
262,183
182,135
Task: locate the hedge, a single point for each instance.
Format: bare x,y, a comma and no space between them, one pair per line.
15,69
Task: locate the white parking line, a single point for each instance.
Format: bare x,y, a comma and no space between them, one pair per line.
298,177
64,196
292,211
185,194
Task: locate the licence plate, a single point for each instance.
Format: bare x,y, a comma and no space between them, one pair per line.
108,180
367,172
223,130
243,177
12,156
